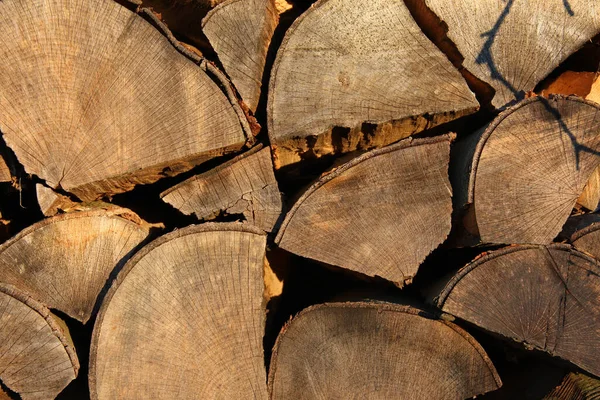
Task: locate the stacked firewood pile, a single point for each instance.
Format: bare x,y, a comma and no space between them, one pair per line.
331,199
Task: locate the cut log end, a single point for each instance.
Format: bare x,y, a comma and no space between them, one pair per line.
576,386
409,184
377,351
38,360
185,319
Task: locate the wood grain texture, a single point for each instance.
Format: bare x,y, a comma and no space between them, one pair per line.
65,261
546,297
530,166
369,63
513,45
245,185
95,99
380,214
576,386
587,237
240,32
377,351
37,359
185,319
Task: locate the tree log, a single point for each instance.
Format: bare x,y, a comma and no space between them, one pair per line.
530,166
587,237
576,386
377,351
390,208
513,45
185,319
240,31
96,99
369,64
65,261
245,185
546,297
37,358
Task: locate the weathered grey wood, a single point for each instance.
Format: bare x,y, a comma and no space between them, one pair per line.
369,62
530,166
377,351
240,32
65,261
513,45
546,297
95,99
185,319
576,386
245,185
380,214
37,358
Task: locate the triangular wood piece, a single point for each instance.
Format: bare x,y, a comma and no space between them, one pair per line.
185,319
514,44
377,351
37,358
245,185
240,32
587,237
95,99
530,166
50,201
370,63
65,261
380,214
576,386
547,297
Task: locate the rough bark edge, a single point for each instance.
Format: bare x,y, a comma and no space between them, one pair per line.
578,234
215,170
402,144
440,300
499,119
380,306
132,262
45,313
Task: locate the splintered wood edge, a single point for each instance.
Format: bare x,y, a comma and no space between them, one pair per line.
440,300
380,306
499,119
221,80
132,262
215,170
402,144
120,213
45,313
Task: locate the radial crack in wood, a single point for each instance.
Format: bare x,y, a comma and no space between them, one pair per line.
380,214
370,63
530,166
547,297
185,319
37,358
245,185
377,351
513,45
95,99
65,261
240,32
576,386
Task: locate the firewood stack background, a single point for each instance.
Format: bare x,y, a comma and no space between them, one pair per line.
277,199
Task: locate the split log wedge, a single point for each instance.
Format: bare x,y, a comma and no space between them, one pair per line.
377,351
37,358
547,297
380,214
65,261
245,185
587,238
95,99
530,166
576,386
240,31
185,319
370,63
513,45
